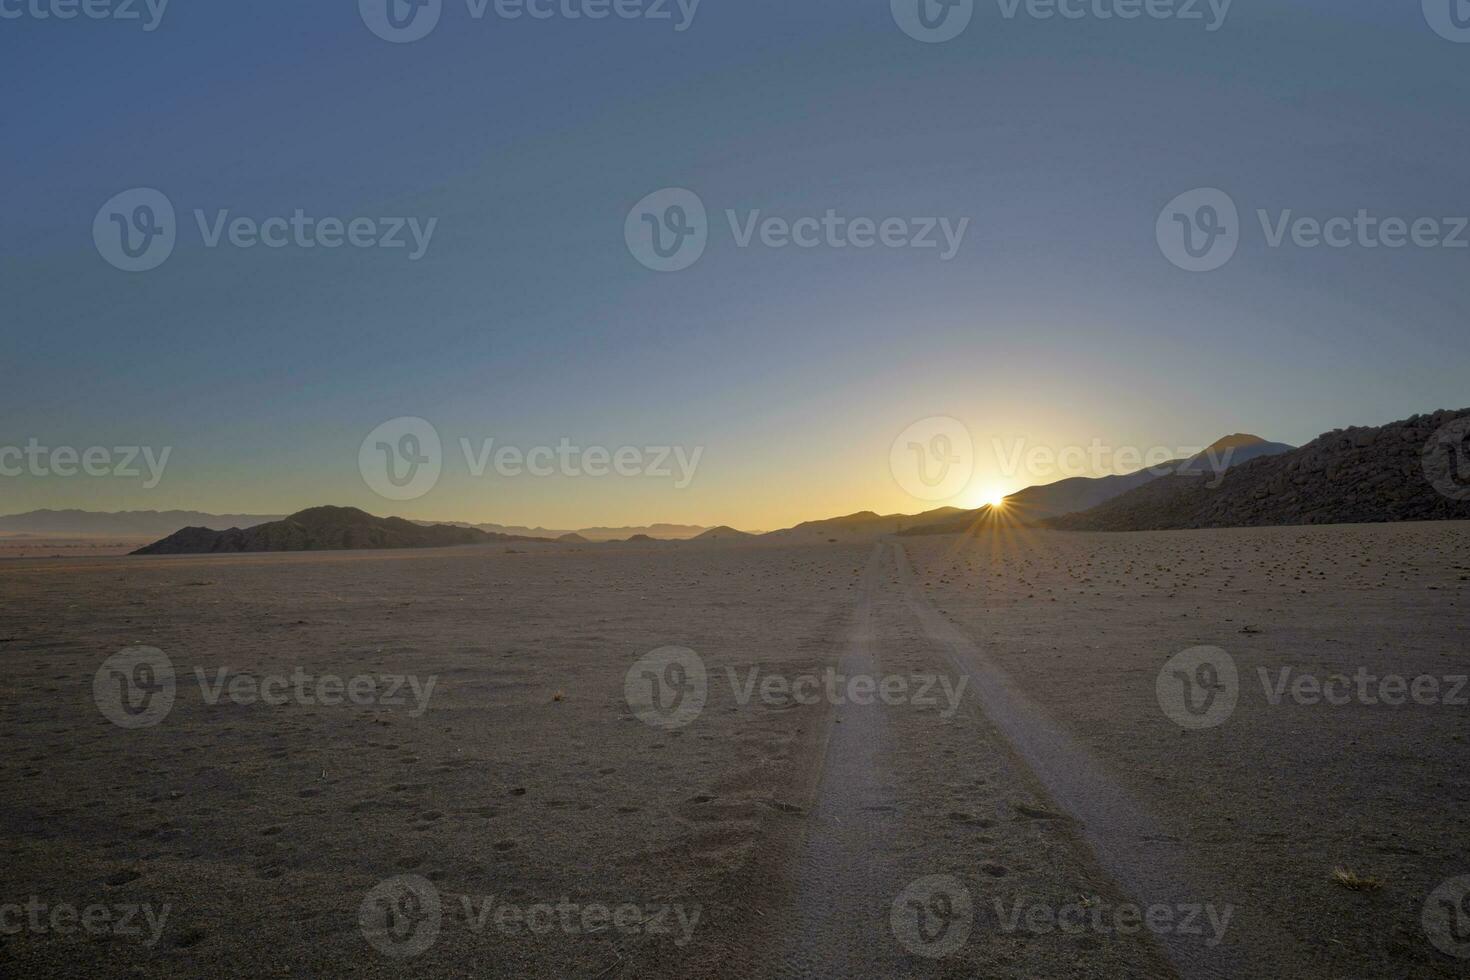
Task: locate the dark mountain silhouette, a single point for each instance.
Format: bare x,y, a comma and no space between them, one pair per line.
1347,476
1230,451
322,529
1080,493
860,526
725,534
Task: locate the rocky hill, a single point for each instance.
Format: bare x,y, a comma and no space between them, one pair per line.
1414,470
322,529
725,535
1078,493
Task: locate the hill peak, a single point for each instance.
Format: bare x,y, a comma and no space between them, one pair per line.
1238,440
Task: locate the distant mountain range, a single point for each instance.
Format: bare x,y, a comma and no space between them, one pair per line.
323,529
155,523
128,523
1351,475
663,532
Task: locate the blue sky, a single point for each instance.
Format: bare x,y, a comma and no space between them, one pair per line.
528,320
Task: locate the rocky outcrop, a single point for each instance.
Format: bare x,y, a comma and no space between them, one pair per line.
1414,470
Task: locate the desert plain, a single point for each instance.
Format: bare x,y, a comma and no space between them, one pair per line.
933,756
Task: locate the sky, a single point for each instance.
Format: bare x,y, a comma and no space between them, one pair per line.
790,380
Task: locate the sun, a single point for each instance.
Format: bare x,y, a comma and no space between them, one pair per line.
992,497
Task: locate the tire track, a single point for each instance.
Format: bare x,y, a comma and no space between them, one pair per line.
844,879
1128,843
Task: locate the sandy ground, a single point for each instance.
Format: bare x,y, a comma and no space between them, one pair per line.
69,545
736,836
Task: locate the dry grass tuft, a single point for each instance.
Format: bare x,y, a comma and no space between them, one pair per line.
1355,882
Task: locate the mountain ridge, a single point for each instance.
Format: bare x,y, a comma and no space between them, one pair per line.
1362,474
325,528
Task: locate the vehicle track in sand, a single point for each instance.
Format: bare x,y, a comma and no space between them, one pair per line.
846,875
